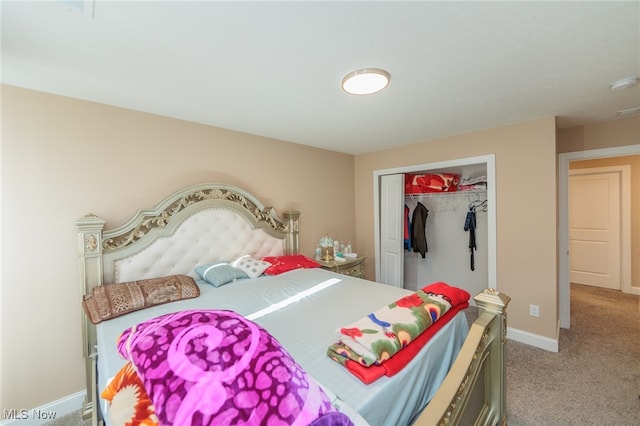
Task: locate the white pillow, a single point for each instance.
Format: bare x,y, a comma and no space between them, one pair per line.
252,267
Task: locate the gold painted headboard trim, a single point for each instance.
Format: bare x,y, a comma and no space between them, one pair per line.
146,220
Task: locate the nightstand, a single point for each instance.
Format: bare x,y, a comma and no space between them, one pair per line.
352,267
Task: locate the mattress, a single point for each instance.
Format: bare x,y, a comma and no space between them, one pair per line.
302,309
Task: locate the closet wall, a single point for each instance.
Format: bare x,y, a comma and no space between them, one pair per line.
448,256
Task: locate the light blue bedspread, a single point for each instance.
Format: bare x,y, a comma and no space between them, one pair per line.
306,326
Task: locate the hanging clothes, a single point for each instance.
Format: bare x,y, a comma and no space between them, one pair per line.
470,226
407,229
419,229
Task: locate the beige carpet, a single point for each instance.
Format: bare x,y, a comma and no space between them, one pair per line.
595,377
593,380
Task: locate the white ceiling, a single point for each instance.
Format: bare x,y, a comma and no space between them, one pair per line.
274,68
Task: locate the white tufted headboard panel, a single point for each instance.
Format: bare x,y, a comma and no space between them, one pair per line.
213,234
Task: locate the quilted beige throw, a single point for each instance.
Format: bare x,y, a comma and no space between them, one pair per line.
112,300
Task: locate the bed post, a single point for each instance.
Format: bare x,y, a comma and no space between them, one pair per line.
292,243
493,302
474,391
90,262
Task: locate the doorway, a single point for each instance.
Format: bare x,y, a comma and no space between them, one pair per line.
563,222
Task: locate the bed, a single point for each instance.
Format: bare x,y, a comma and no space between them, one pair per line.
456,377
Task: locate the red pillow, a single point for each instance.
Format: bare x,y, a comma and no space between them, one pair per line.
280,264
455,295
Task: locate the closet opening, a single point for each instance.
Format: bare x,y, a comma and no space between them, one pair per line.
456,215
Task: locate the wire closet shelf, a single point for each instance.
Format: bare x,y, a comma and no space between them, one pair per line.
451,201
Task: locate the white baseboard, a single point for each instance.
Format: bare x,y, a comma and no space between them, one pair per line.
45,413
532,339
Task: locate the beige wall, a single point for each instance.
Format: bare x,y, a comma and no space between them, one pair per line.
63,158
526,210
620,132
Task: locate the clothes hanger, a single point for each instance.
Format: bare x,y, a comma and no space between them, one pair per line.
475,204
414,203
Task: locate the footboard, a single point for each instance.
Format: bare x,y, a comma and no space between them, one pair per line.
474,391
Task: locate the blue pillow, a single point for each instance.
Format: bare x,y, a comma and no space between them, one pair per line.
219,274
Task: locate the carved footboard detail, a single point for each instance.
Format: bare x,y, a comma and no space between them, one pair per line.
474,391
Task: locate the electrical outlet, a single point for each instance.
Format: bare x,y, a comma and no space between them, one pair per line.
534,310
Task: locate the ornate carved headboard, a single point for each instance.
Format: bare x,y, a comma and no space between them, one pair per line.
199,224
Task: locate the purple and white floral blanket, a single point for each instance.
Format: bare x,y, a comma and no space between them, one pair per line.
211,367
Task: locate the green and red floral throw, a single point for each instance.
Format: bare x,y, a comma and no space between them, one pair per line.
376,338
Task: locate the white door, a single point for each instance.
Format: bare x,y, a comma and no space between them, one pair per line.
594,229
391,230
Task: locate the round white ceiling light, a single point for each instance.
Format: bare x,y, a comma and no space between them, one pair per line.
624,83
365,81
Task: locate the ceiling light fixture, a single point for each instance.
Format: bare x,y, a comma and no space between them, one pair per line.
365,81
624,83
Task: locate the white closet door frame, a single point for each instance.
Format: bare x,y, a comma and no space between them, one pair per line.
489,160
